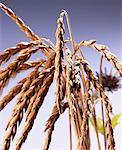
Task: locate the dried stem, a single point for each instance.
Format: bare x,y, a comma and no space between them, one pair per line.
95,122
70,129
102,107
70,31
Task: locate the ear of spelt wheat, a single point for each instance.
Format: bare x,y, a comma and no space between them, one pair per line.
35,108
58,61
8,53
84,140
106,102
16,89
29,33
7,73
43,88
53,118
19,22
30,64
11,94
69,94
51,123
18,111
104,51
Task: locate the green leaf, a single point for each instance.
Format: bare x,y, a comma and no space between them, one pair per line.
115,120
92,121
99,125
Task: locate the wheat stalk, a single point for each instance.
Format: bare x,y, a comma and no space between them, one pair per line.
29,33
16,89
30,64
104,51
32,100
8,53
96,83
27,65
7,73
109,132
69,79
29,87
19,22
37,104
11,94
102,107
75,89
17,114
50,124
95,121
37,84
69,95
55,114
23,101
106,102
58,60
84,126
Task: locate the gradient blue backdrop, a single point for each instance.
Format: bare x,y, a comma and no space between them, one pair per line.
90,19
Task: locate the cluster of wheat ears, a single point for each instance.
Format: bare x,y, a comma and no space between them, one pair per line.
75,83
